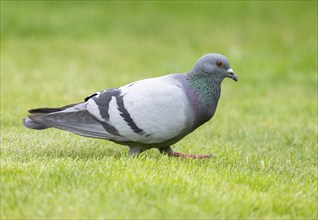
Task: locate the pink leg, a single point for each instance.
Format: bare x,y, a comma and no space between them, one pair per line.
172,153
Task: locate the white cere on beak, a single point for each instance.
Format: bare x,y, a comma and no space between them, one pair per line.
230,71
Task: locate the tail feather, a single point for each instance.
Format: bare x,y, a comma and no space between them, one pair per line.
29,123
52,110
34,119
73,118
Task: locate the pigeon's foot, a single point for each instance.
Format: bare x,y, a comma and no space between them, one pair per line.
168,151
187,156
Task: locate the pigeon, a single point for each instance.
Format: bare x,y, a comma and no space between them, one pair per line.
150,113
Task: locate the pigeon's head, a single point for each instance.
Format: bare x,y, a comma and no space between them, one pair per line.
215,66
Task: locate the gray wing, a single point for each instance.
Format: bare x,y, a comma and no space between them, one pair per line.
148,111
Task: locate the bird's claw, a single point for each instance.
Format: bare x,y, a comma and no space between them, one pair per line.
189,156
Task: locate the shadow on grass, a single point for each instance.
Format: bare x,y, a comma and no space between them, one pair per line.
81,151
100,153
85,153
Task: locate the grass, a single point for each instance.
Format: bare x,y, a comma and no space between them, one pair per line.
264,132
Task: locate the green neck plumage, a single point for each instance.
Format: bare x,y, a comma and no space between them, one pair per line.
207,88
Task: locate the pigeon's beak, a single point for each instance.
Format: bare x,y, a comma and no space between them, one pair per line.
232,75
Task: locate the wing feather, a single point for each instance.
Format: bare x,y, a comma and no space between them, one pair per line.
147,111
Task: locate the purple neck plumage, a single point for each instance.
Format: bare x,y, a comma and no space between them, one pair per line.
203,94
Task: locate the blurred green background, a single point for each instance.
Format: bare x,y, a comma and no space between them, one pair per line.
55,53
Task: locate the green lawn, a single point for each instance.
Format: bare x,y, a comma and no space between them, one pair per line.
264,133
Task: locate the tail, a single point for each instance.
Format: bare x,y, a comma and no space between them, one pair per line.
73,118
32,124
35,118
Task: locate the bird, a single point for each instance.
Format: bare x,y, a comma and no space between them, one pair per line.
150,113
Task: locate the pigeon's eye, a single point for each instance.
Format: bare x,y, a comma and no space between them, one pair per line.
219,63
